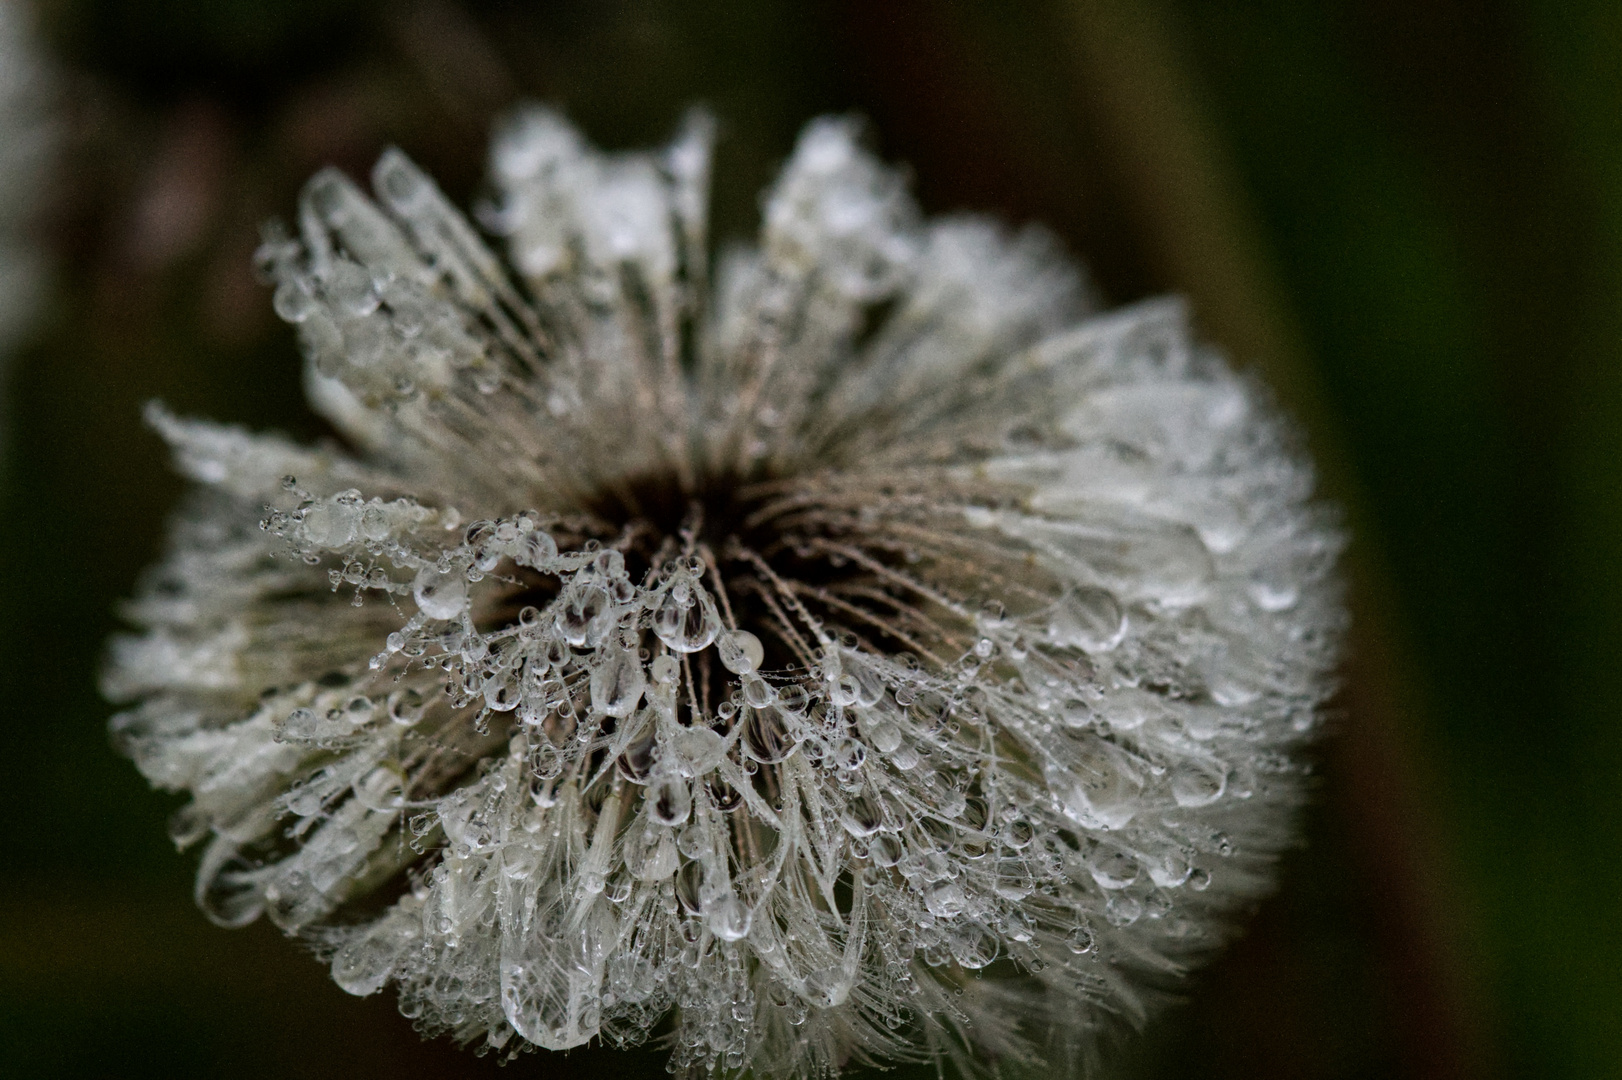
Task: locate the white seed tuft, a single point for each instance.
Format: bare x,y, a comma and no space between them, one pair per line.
868,655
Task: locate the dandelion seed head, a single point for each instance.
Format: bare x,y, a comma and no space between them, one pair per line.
867,652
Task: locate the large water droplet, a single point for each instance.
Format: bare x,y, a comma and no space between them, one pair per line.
1089,619
439,596
1122,909
696,751
741,651
535,548
767,738
651,854
585,615
690,888
363,965
636,762
617,682
686,624
757,692
331,525
884,735
1080,939
946,901
292,301
861,816
665,669
1112,869
973,946
1198,783
885,849
670,801
730,918
1100,789
545,761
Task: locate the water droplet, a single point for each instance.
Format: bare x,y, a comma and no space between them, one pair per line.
1101,789
1076,713
726,797
885,849
439,596
1112,869
686,625
330,525
666,669
884,736
1090,619
545,762
793,699
1169,871
637,760
293,302
363,965
1198,783
300,725
946,901
869,687
696,751
766,737
973,946
501,695
730,918
848,755
535,548
757,692
585,615
651,855
670,801
741,651
1080,939
1122,909
861,816
690,894
617,682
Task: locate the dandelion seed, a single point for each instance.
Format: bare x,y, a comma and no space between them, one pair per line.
865,653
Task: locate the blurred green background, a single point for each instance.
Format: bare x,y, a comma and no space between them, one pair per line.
1408,213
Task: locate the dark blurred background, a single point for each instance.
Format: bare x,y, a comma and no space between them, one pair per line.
1407,214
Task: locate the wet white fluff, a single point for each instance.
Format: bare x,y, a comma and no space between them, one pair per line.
866,654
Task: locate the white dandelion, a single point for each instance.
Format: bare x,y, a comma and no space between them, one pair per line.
865,654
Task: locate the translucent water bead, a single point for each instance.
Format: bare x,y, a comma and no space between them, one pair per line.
440,594
741,652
